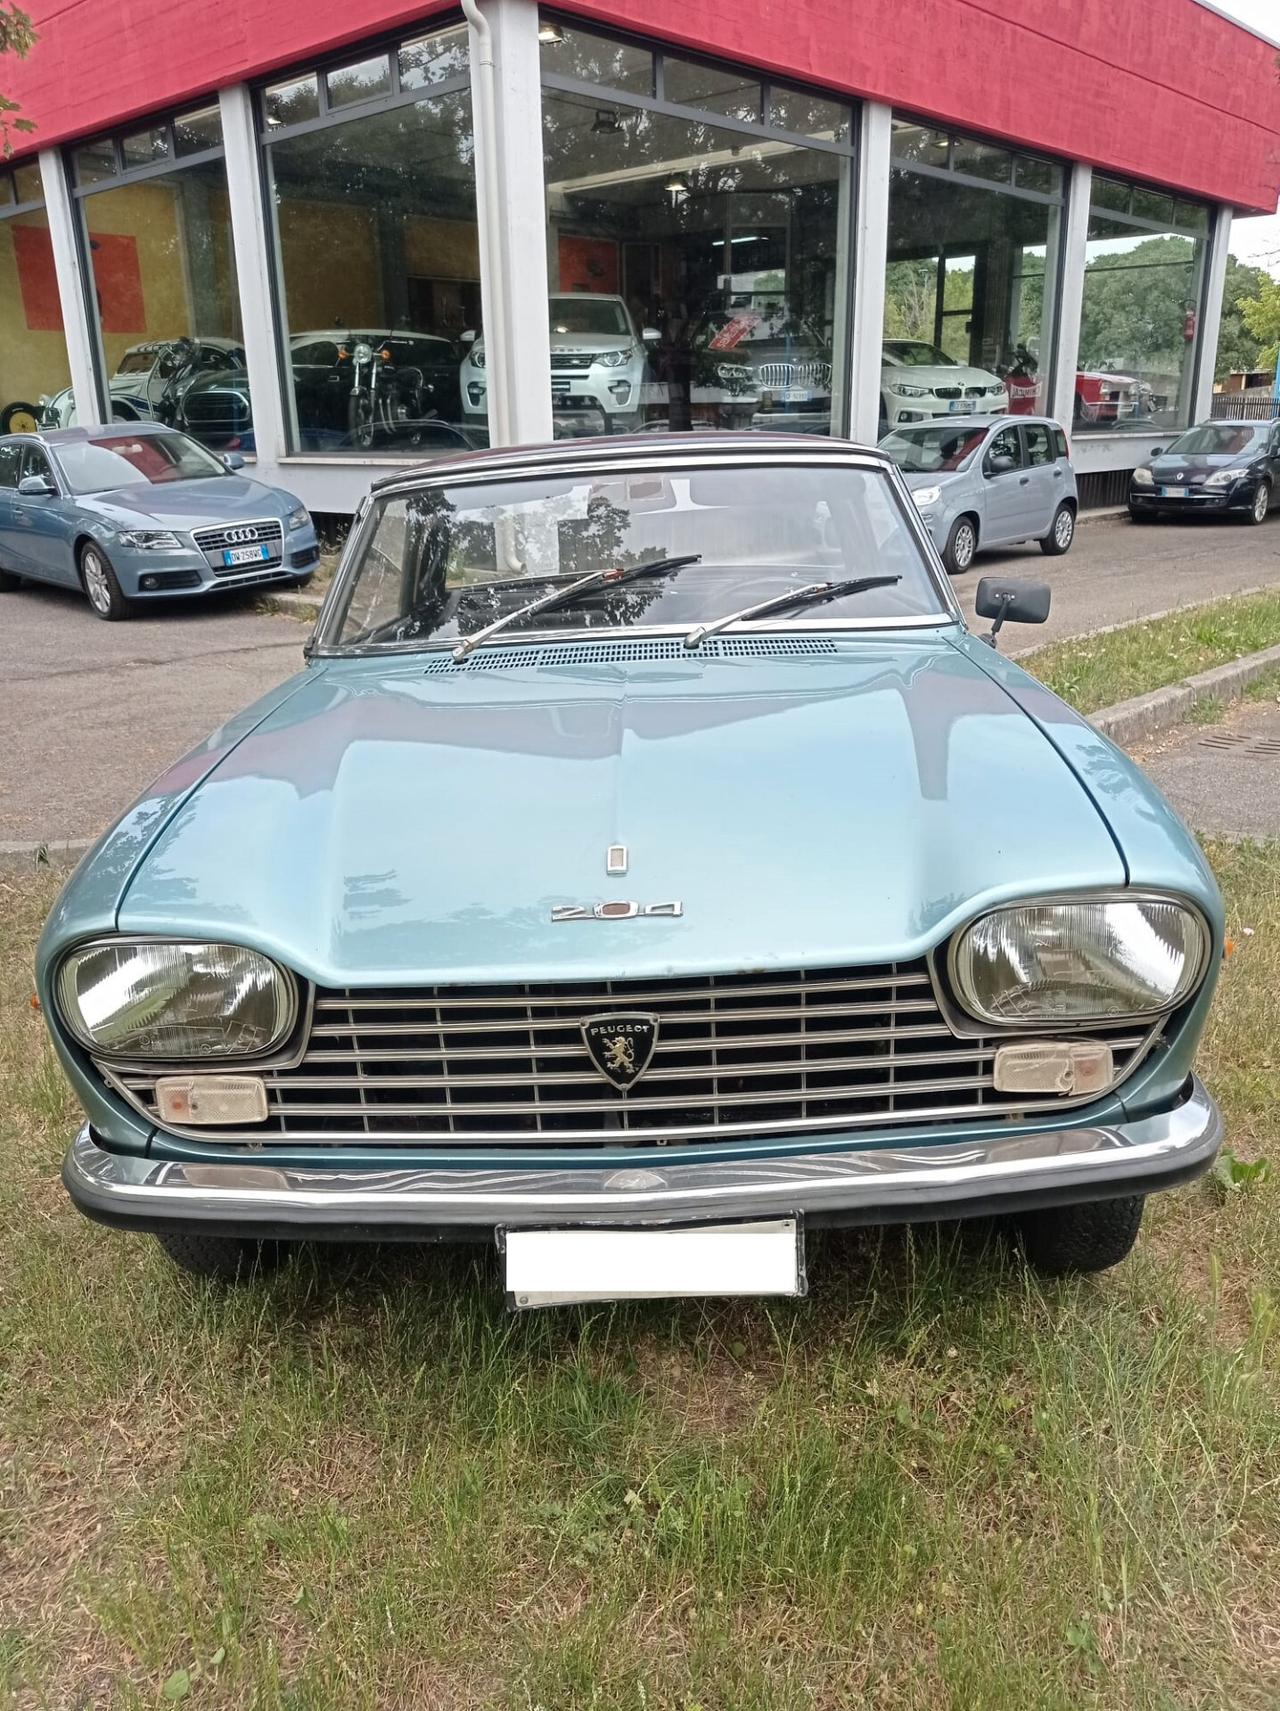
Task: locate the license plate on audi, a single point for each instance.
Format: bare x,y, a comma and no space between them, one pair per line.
551,1268
245,555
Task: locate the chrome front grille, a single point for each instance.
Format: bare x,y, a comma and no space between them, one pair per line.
736,1054
268,532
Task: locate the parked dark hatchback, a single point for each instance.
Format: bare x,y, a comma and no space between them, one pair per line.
1215,466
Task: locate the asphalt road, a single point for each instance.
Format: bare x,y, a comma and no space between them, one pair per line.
93,711
1118,572
1223,779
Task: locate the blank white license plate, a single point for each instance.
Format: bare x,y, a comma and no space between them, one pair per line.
245,555
546,1268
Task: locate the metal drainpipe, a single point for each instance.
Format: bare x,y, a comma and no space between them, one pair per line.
495,319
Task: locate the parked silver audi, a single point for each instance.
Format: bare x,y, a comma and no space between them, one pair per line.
133,513
989,481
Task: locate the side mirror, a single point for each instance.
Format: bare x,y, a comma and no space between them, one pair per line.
1010,601
1001,464
467,338
37,487
651,336
1156,451
233,460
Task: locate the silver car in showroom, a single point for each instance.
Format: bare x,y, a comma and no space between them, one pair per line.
989,481
134,513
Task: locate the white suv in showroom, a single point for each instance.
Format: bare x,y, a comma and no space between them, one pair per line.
598,363
919,382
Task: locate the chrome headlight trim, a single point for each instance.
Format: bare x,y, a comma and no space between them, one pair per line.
288,988
963,1010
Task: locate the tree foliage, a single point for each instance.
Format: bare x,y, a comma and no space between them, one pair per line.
1240,349
16,37
1261,315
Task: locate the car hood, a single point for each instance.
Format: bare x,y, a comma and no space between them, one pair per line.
588,344
414,820
1203,463
937,478
185,504
959,375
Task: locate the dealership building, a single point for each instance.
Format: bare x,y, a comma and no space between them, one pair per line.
340,236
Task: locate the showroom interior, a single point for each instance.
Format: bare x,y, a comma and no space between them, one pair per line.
336,268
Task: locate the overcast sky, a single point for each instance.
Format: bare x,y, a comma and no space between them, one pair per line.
1257,241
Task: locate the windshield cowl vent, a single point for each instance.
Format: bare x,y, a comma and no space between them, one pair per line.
659,650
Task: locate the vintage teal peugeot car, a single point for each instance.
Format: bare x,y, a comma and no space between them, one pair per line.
648,865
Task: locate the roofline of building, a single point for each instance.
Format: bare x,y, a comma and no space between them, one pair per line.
1230,17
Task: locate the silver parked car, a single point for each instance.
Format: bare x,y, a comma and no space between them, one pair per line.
133,513
989,481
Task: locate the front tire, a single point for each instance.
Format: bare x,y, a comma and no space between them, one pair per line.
962,544
1072,1241
100,586
1142,516
1258,511
1061,535
223,1259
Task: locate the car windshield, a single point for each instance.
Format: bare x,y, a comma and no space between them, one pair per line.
1219,439
913,354
588,315
136,362
932,450
119,460
440,562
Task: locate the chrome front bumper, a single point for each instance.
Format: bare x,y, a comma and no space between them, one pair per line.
868,1185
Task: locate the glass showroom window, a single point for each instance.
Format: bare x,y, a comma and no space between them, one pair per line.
156,228
971,285
1144,288
33,352
371,167
698,243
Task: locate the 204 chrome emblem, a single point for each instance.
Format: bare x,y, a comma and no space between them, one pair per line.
615,911
621,1046
240,537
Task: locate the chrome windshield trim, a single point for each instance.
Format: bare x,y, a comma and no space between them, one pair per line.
646,1185
648,632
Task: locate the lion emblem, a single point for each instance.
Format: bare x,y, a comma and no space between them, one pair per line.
620,1055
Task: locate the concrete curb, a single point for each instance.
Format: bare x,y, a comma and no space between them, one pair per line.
1147,715
63,852
304,606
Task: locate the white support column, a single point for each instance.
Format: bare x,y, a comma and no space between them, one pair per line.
1209,324
507,120
1075,242
871,258
73,288
253,275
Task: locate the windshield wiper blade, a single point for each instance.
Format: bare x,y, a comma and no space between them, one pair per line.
613,578
813,594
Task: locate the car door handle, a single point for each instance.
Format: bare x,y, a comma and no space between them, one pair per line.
1024,481
1057,475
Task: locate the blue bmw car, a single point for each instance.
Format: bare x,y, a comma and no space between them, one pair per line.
136,513
648,865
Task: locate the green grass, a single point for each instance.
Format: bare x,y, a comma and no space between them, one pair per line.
936,1483
1097,671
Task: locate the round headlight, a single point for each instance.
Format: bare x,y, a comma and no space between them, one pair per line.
149,999
1079,962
